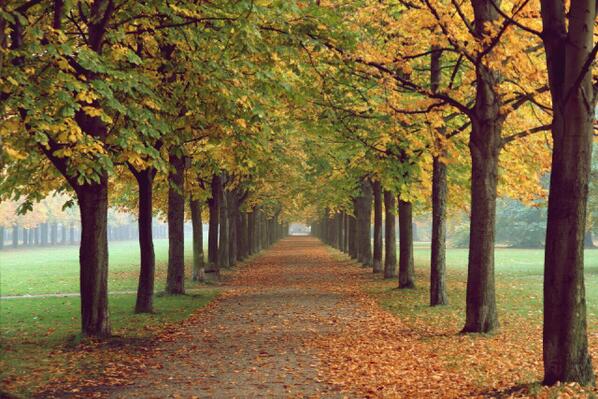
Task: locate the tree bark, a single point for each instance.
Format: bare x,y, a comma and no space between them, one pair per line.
251,230
484,145
377,260
214,205
244,237
93,258
223,244
233,212
175,279
438,295
565,344
406,267
1,237
145,287
353,235
198,261
390,238
364,224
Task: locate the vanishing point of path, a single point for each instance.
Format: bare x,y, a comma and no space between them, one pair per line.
256,341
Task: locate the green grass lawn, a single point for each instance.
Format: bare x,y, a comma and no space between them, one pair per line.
56,269
35,331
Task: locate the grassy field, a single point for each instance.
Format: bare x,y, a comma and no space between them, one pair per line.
514,353
34,332
56,269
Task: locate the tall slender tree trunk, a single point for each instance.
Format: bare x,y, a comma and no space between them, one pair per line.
1,237
406,266
63,238
588,241
390,238
244,237
93,258
353,235
145,287
251,232
198,261
44,232
568,40
233,213
175,279
377,260
364,224
15,236
223,244
438,295
214,205
484,145
53,233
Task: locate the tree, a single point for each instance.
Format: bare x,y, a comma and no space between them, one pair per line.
569,55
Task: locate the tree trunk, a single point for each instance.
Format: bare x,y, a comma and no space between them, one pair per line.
53,233
175,279
15,236
72,234
44,233
390,238
353,235
438,295
377,260
484,145
566,356
364,224
406,267
214,205
145,287
93,258
233,212
198,261
223,244
63,238
1,237
588,241
251,232
244,236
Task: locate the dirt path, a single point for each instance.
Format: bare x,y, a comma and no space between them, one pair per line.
255,340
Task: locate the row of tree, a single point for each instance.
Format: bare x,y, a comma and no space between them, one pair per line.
296,107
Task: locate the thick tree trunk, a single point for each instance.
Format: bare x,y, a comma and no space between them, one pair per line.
481,315
377,260
566,355
175,279
484,145
390,238
145,287
438,295
214,205
406,267
198,261
93,258
364,224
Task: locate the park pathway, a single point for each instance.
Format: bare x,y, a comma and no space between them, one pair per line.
257,340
